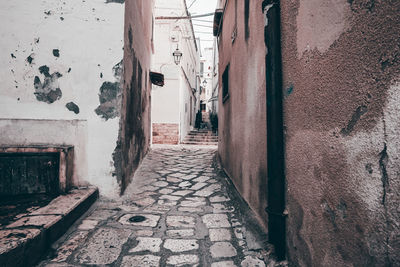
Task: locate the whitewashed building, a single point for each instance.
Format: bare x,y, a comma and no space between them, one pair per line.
61,79
174,105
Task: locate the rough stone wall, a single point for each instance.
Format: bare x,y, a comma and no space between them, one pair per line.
242,117
165,133
341,68
134,134
60,78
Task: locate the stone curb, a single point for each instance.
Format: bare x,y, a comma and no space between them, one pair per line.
23,242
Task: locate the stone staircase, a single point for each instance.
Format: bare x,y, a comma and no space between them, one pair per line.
201,137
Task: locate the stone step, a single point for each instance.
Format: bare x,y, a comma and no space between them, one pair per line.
199,140
200,143
202,134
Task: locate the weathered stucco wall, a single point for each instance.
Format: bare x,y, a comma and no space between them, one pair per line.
134,134
341,73
242,117
60,80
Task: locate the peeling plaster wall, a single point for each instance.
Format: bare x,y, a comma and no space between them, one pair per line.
341,69
56,55
242,117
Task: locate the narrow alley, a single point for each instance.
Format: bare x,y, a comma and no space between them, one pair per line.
209,133
180,210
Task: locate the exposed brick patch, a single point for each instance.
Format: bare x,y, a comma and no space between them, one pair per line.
165,133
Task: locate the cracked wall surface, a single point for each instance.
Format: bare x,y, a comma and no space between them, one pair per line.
341,63
56,57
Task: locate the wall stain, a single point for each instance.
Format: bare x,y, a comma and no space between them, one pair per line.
130,36
297,241
13,56
289,90
383,161
330,213
361,110
48,91
131,144
71,106
110,99
358,5
369,169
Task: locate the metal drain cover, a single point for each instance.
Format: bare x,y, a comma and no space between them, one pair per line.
137,218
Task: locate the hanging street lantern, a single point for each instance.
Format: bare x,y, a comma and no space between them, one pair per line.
177,56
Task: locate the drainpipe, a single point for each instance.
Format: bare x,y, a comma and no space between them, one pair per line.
275,143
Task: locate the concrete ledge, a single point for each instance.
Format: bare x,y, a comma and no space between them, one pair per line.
23,242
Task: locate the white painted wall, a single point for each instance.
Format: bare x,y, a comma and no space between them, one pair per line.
89,36
208,75
171,103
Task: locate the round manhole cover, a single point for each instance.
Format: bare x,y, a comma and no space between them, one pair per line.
137,218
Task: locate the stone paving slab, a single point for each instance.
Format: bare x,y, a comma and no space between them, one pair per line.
179,210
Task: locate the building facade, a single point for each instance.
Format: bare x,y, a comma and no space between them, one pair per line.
175,104
63,84
309,118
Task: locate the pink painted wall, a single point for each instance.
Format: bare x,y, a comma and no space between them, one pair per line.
341,73
341,87
242,117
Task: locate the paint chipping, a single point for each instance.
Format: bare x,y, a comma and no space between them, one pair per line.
110,95
56,52
118,70
361,110
30,58
71,106
110,99
48,91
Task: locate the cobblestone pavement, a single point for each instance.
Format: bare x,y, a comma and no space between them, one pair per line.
178,211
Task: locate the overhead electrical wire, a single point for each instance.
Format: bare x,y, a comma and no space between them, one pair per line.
199,25
187,17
